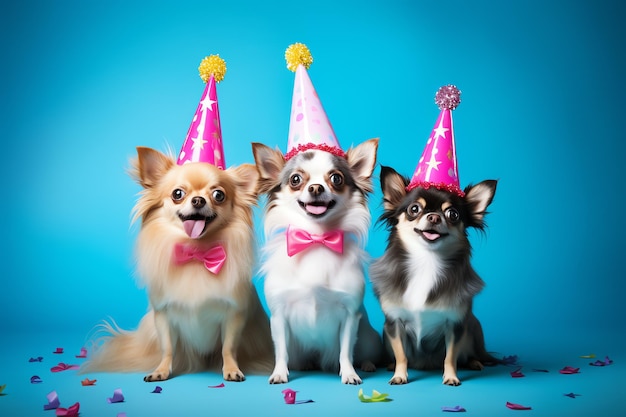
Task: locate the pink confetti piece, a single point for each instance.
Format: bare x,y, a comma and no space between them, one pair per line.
517,373
53,401
606,362
569,370
217,386
71,411
58,351
88,382
117,397
37,359
64,367
35,379
157,390
83,353
509,360
572,395
455,409
514,406
290,397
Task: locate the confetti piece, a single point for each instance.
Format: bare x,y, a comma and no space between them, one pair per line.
517,373
121,414
63,367
88,382
540,370
376,397
72,411
509,360
606,362
217,386
35,379
569,370
117,397
455,409
157,390
514,406
53,401
2,387
290,397
37,359
83,353
572,395
590,356
58,351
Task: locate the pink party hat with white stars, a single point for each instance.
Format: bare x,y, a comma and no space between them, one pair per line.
437,167
309,127
204,138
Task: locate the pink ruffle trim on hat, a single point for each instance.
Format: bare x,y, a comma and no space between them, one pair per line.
319,146
451,188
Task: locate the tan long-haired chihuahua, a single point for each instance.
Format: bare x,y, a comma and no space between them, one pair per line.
195,254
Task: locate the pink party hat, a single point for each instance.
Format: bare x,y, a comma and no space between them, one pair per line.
309,127
437,167
204,138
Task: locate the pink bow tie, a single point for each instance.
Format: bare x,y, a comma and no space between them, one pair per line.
298,240
212,258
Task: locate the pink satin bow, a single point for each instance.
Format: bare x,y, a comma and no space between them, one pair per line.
212,258
299,239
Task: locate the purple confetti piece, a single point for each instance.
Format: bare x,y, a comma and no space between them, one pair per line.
121,414
455,409
117,397
509,360
572,395
514,406
569,370
157,390
517,373
606,362
35,379
37,359
53,401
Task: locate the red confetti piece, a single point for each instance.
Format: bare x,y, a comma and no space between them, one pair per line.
71,411
88,382
63,367
569,370
517,373
514,406
58,351
217,386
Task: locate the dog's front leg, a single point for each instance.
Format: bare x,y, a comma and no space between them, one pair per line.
164,336
230,343
449,363
279,336
395,334
347,340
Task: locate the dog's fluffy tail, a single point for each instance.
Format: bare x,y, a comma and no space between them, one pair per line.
117,350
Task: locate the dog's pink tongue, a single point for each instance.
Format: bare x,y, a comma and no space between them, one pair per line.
194,228
316,209
431,236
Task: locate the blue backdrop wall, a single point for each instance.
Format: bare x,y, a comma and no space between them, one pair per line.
84,83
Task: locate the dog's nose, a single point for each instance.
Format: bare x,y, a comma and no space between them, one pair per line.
198,202
316,189
434,218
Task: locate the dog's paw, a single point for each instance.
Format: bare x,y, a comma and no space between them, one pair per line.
156,376
368,366
351,378
451,380
399,379
278,378
233,375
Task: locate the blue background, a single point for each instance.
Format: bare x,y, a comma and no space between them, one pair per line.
84,83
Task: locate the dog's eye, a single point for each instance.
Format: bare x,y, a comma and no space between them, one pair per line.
336,179
414,210
219,196
452,215
178,194
295,180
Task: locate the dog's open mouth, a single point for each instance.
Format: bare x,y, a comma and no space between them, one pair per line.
430,235
196,224
317,208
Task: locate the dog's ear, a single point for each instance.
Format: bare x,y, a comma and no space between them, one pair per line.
269,163
246,176
478,197
150,166
393,186
362,160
